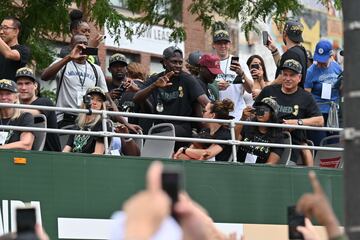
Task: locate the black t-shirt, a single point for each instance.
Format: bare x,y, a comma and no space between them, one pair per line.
177,99
223,133
208,91
298,105
9,67
297,53
86,143
52,142
24,120
252,134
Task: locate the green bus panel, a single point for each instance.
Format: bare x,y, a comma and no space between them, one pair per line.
88,186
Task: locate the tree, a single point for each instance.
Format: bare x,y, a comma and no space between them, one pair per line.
43,20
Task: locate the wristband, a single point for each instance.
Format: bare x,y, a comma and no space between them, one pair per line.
128,140
184,150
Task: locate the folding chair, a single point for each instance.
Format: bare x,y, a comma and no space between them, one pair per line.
286,155
329,159
64,136
40,137
159,148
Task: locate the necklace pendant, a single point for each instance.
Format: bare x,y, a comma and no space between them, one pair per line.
159,107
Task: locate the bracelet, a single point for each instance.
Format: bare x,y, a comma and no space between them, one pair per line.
128,140
274,52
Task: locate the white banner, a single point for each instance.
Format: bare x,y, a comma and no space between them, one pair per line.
154,40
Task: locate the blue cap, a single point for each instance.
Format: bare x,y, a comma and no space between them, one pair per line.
323,51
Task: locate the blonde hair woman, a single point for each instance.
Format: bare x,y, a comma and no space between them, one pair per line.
86,143
11,139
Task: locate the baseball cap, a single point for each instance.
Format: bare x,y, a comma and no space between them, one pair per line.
194,58
293,30
323,51
270,102
118,57
292,65
170,52
25,73
221,35
9,85
96,90
211,62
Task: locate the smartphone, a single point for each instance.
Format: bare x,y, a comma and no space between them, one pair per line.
90,51
234,60
265,37
294,219
255,65
172,181
25,220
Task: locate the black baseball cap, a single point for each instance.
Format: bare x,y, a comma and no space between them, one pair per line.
170,52
9,85
118,57
194,58
270,102
96,90
292,65
221,35
294,30
25,73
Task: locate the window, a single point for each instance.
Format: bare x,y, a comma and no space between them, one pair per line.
118,3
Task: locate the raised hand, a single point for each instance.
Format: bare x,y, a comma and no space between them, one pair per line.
164,81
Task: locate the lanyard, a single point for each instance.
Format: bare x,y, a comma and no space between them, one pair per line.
82,82
1,123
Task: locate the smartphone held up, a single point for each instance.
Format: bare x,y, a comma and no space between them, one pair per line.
294,220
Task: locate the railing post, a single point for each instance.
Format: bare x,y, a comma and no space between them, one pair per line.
233,138
104,127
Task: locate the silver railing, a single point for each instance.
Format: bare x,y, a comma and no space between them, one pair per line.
232,123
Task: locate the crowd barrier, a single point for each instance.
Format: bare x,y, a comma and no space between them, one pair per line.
231,123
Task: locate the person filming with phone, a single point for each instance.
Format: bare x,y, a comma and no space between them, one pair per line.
173,92
258,72
236,78
265,111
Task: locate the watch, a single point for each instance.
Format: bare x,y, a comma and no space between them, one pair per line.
300,122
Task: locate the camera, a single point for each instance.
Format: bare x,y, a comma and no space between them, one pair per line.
87,101
121,88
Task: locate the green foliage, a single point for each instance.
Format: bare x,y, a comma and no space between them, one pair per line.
44,19
50,94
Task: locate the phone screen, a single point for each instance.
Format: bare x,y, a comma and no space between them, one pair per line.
234,60
25,220
172,183
90,51
265,36
295,219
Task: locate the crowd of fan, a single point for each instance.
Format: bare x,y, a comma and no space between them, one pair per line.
218,86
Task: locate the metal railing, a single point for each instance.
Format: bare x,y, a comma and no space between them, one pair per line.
232,123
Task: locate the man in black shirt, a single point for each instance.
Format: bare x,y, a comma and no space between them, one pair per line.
173,92
209,69
292,38
12,55
296,106
27,87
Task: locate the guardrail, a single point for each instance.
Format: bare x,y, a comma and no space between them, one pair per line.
231,123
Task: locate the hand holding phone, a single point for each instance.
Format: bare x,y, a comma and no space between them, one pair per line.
90,51
294,220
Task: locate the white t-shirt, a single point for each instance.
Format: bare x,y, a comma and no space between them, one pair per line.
77,79
235,92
